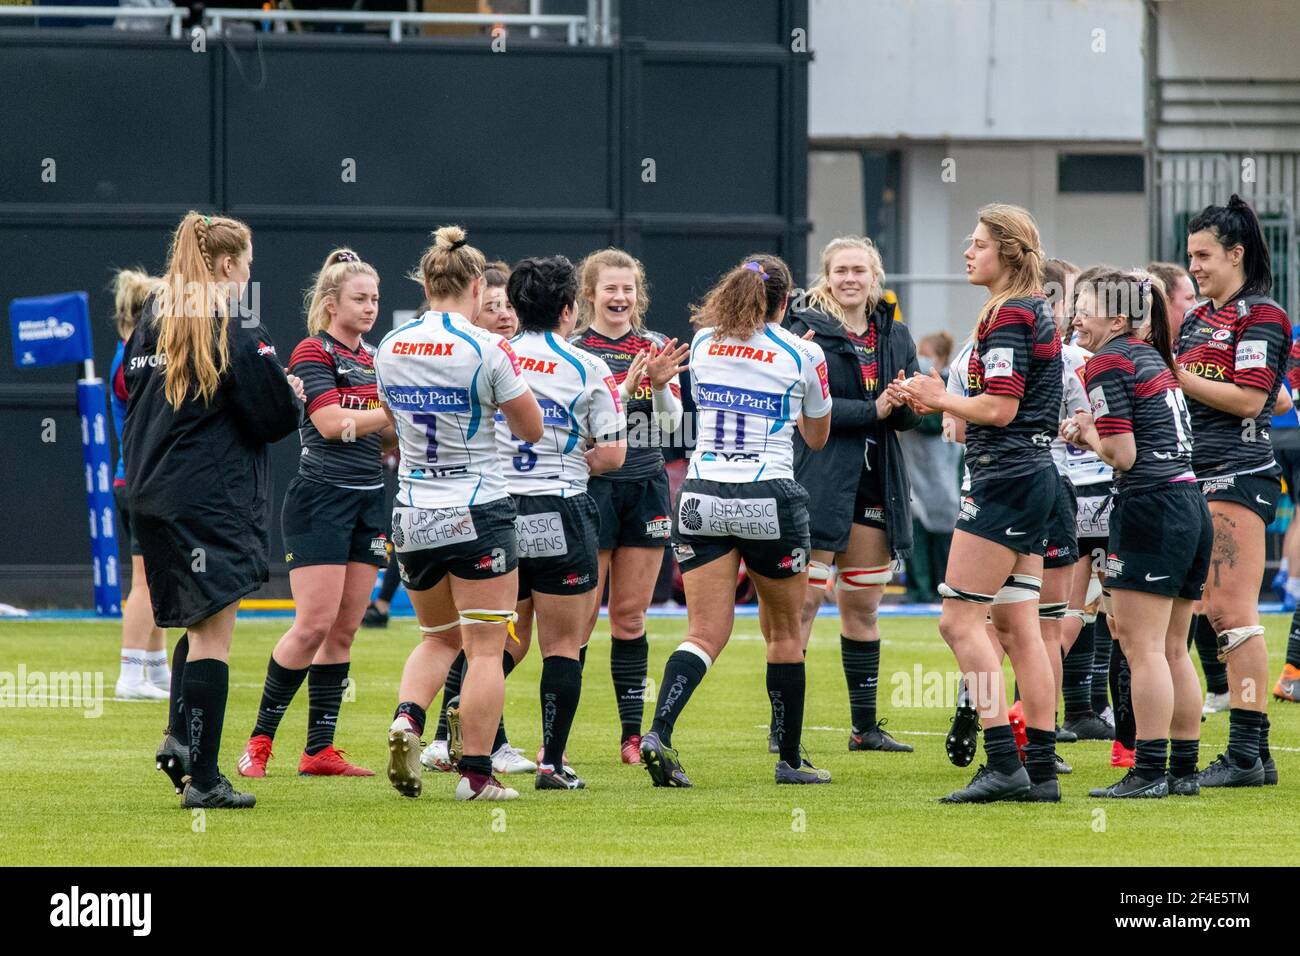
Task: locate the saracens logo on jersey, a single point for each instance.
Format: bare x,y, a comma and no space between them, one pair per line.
264,348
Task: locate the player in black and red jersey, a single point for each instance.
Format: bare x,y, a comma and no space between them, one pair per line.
334,523
635,520
1288,684
1012,411
1160,532
1232,350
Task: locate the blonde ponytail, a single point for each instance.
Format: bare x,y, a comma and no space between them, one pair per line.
189,302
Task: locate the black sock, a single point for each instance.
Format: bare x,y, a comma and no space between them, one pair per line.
1293,641
1264,753
560,689
1000,747
1182,756
785,692
481,764
207,682
683,672
507,665
449,690
1076,675
628,662
1101,642
1040,754
1207,649
1152,756
861,660
1243,736
1121,694
325,686
281,684
412,712
177,725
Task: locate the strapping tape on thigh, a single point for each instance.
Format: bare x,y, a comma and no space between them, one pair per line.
438,628
858,579
970,596
1234,637
1056,611
1076,612
819,574
1019,587
478,615
1103,604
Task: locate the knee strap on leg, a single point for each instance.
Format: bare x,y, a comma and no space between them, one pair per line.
1089,617
971,597
1234,637
1056,611
1076,612
1019,587
438,628
478,615
819,574
859,579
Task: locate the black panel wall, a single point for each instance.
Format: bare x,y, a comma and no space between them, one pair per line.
541,149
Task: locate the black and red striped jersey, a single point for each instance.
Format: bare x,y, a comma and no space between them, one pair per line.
645,457
1018,353
1131,390
865,347
1243,343
1293,367
333,374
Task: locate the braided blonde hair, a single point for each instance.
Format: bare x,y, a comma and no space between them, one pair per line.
190,299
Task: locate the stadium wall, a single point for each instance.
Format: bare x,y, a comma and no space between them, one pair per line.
685,142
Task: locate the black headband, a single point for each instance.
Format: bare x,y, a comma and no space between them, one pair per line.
457,244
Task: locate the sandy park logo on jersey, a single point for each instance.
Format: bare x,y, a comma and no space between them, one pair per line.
415,398
729,398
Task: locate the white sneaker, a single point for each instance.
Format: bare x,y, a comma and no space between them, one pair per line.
437,758
1216,703
491,789
509,759
139,690
1108,715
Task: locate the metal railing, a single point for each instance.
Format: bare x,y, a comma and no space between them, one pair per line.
174,14
577,27
592,29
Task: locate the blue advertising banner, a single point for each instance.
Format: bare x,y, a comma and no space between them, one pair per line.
50,329
91,399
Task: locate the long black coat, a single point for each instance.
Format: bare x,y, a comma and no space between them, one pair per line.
831,475
199,477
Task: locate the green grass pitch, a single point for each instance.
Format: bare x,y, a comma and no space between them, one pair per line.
79,790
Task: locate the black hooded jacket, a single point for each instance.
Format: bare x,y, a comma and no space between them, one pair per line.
831,475
199,475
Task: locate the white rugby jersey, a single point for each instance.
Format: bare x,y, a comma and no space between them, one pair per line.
1080,465
443,378
748,397
958,377
580,405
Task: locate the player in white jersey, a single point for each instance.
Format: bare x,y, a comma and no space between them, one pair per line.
557,524
1060,609
753,383
442,379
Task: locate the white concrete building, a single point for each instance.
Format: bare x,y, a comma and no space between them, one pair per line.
921,111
